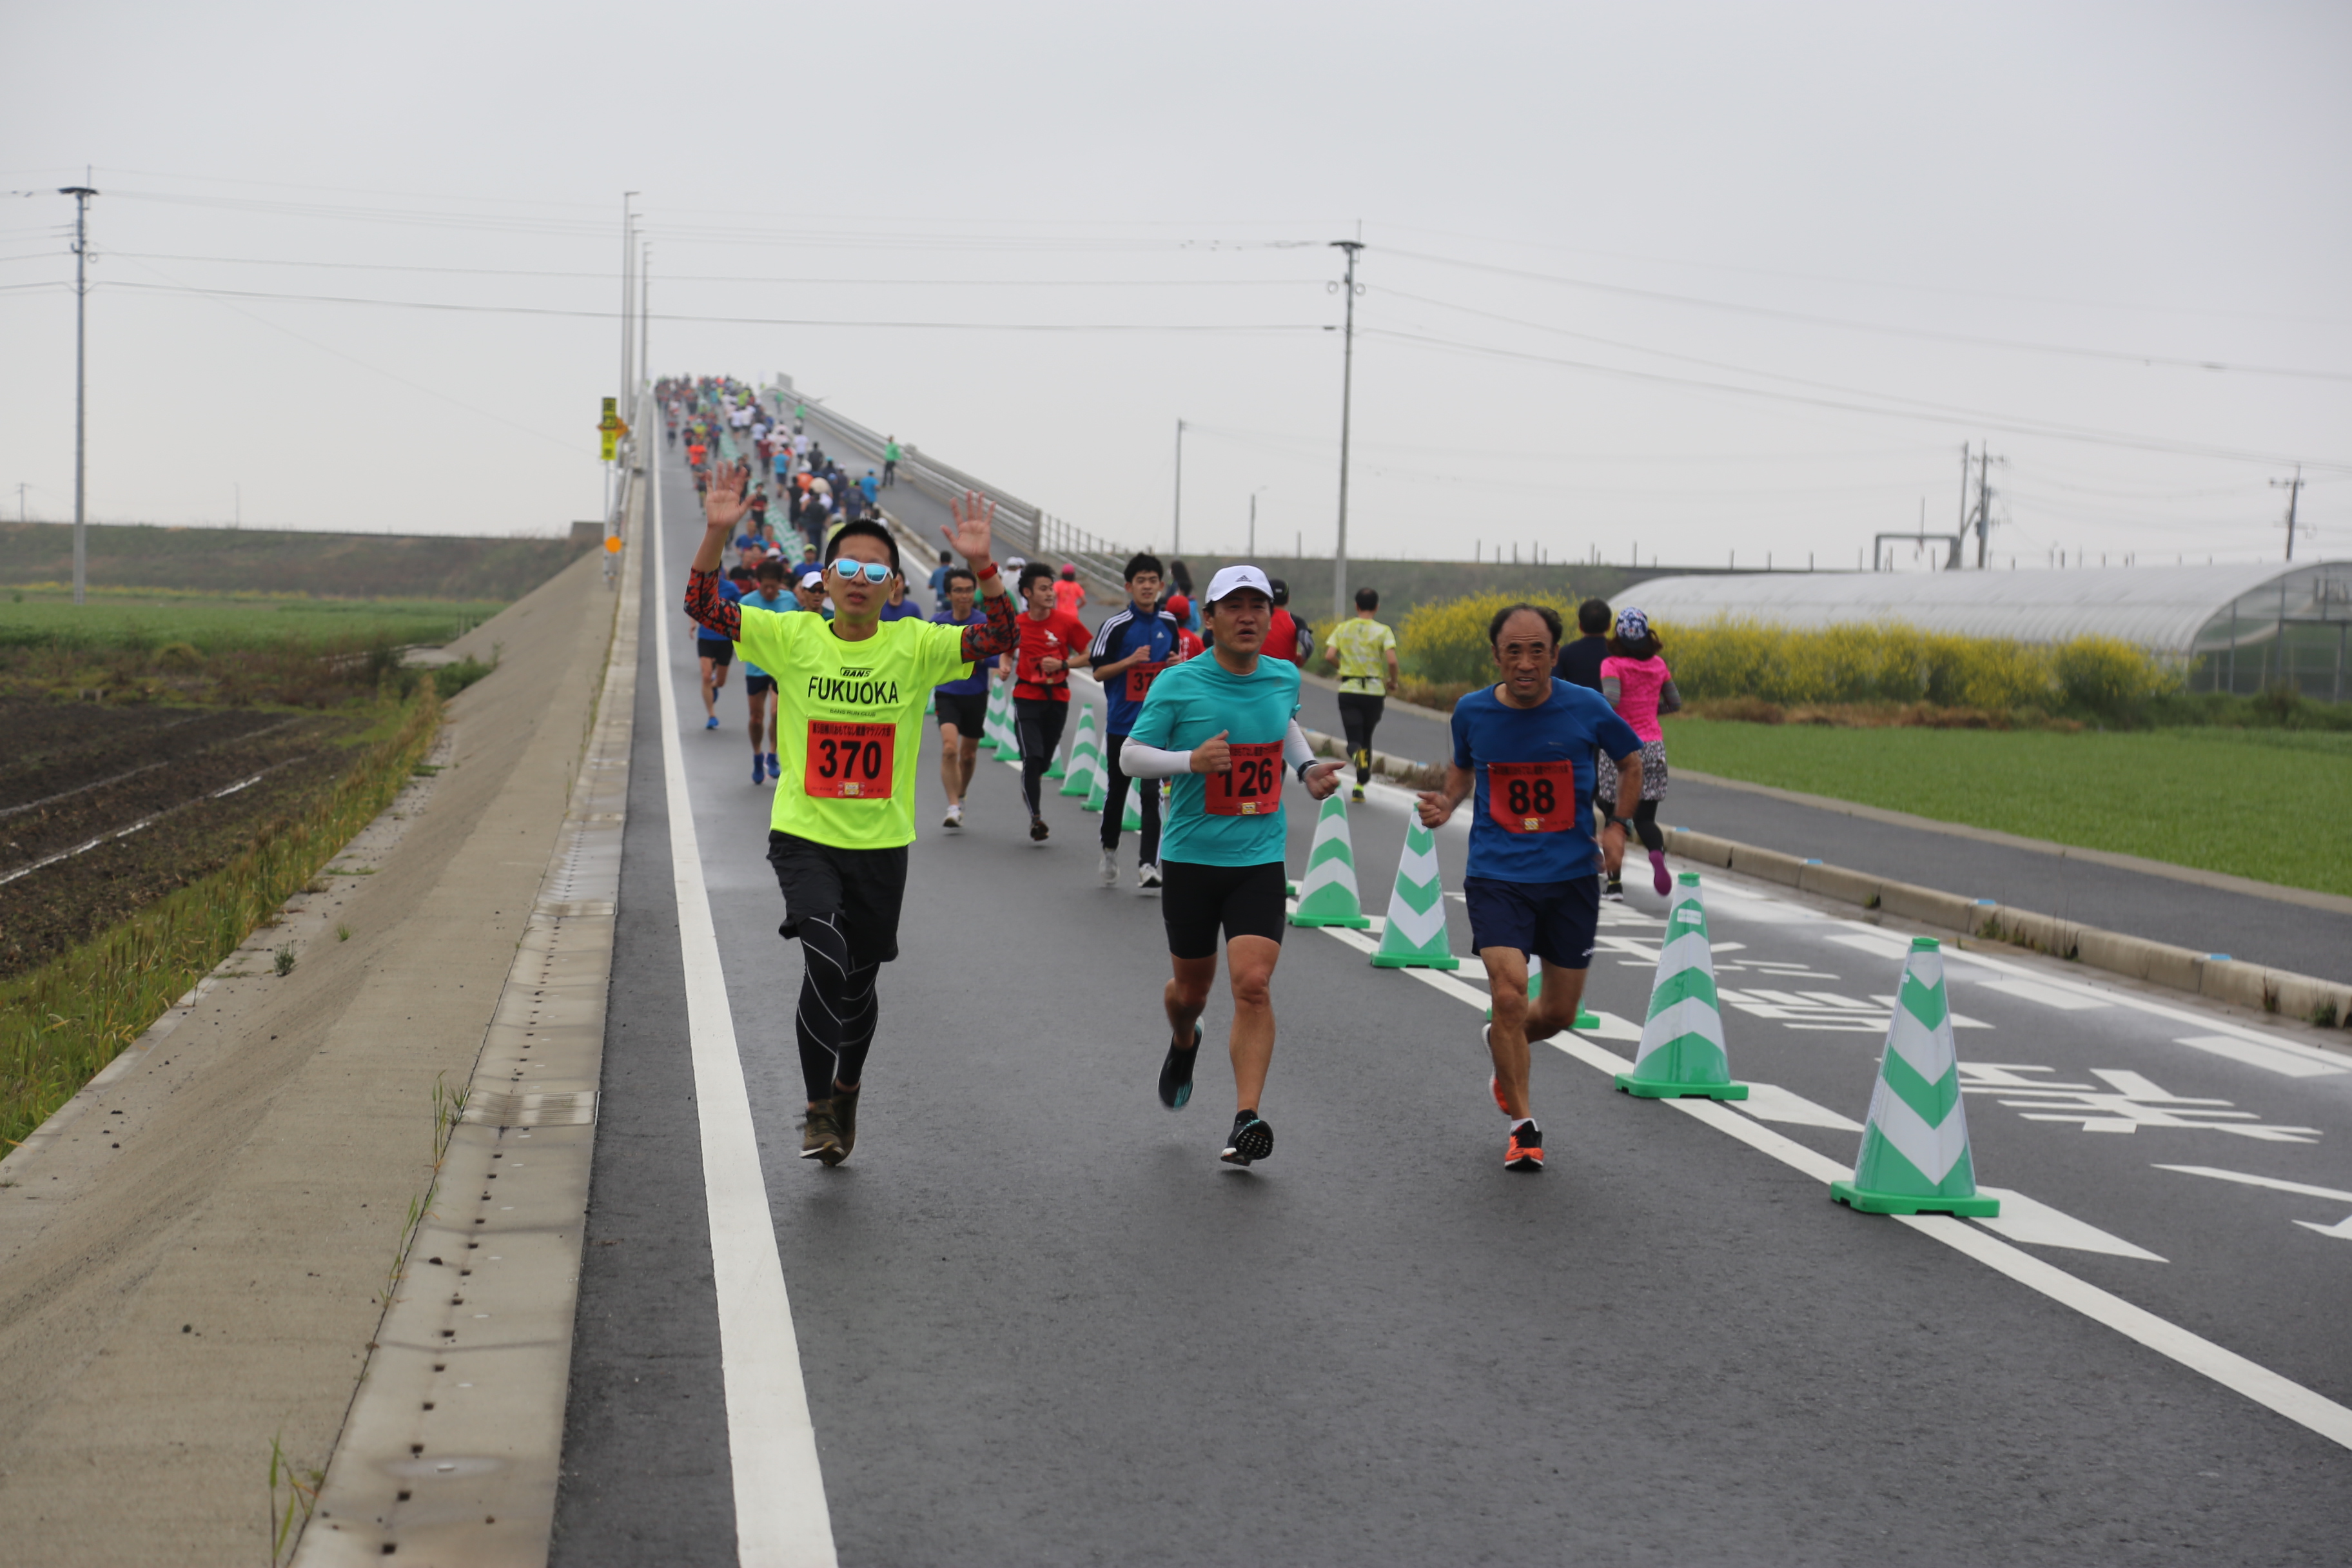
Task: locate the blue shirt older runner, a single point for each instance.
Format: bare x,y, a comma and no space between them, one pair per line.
1224,727
1131,649
1523,748
849,710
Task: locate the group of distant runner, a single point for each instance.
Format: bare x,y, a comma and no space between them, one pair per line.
1199,701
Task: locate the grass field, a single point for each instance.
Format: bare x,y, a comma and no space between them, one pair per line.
149,619
2272,805
286,561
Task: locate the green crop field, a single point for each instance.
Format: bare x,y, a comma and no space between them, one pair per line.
2274,804
139,618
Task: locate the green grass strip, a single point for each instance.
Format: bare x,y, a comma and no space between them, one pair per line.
2265,804
62,1023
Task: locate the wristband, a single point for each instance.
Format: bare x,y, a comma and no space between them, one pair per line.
985,572
1301,769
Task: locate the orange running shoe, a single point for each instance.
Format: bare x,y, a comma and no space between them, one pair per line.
1526,1150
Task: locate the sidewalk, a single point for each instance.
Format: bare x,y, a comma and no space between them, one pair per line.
207,1276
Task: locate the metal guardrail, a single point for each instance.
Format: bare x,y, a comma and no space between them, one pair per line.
1022,525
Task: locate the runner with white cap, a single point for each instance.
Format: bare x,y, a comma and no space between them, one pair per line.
1225,729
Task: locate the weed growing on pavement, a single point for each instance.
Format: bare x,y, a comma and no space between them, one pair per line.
343,932
61,1023
299,1485
282,961
449,1111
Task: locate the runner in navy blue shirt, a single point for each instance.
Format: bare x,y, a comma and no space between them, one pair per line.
1130,648
1523,749
962,704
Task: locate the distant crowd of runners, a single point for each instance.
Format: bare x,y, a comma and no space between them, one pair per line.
1200,702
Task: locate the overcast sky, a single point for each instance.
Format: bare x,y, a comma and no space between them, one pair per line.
1690,280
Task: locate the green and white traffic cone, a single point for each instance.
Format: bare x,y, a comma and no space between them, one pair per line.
1097,791
1002,736
1328,894
930,704
1681,1053
1585,1017
1130,819
1059,768
992,727
1415,936
1086,755
1914,1144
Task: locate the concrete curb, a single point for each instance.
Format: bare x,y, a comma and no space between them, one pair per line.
2325,1003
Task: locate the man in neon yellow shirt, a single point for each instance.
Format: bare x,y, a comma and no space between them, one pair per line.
849,714
1358,647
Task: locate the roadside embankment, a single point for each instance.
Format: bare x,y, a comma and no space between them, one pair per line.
195,1266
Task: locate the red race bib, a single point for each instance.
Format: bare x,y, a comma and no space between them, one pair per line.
1532,797
1254,788
1140,678
850,762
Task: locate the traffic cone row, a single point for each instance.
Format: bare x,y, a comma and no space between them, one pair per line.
1327,895
1682,1052
1915,1142
1415,935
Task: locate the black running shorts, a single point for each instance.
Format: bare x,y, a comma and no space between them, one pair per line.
1551,921
967,711
1195,900
757,684
864,887
717,650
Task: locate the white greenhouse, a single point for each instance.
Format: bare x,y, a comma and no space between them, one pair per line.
2231,628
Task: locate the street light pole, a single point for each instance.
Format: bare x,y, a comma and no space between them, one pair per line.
1347,413
81,195
628,333
1176,532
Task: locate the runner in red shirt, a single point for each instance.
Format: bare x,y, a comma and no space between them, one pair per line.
1051,639
1285,636
1069,593
1188,641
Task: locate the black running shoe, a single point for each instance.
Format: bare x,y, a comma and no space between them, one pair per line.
1176,1073
821,1135
1038,831
1250,1138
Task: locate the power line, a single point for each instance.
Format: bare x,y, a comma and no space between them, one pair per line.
2007,424
716,276
1926,334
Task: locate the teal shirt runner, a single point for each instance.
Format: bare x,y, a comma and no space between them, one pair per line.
1190,704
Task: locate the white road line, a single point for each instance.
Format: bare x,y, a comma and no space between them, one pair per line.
2299,1404
781,1517
2270,1057
2048,995
2303,1188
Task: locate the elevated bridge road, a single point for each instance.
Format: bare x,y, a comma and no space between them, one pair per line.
1033,1319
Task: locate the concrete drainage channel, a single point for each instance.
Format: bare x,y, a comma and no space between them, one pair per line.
452,1447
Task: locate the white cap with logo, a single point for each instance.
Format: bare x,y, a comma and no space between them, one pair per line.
1233,578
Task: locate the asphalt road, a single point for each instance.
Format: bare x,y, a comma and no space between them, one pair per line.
1038,1322
2206,920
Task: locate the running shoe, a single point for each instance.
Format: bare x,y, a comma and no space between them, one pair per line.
821,1135
1148,874
1659,879
954,819
844,1116
1110,869
1525,1150
1176,1073
1356,793
759,768
1614,892
1038,830
775,768
711,723
1250,1138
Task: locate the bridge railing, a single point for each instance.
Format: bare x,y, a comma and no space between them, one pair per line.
1022,526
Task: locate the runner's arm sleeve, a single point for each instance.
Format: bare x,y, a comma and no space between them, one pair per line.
999,635
1296,751
1138,761
709,609
1669,699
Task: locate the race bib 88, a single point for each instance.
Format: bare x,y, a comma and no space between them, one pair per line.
1532,797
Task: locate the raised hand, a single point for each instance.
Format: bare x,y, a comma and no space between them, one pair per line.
724,504
1323,779
973,534
1213,755
1433,807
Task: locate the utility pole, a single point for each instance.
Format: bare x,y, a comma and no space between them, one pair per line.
628,324
1960,526
1251,551
644,306
1176,535
2294,489
1346,411
81,195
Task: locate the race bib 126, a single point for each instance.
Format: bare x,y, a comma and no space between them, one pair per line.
1254,787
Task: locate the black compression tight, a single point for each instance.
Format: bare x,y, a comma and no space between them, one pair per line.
1645,826
835,1020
